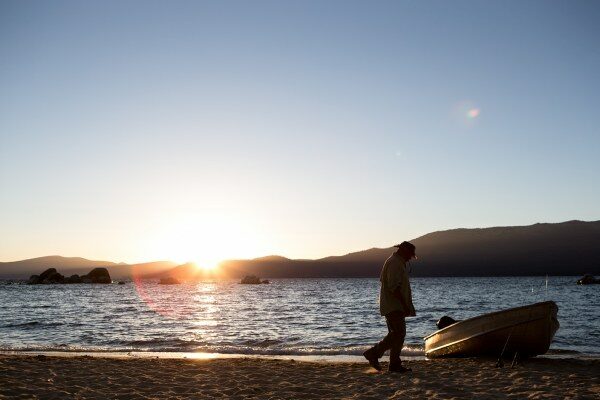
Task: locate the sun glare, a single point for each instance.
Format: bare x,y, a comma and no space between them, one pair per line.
205,241
206,265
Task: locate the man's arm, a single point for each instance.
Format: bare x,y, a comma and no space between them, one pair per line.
395,276
410,311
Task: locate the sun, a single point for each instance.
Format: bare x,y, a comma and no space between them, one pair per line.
206,265
205,240
202,267
201,245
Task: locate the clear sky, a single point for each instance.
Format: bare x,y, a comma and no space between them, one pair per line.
134,131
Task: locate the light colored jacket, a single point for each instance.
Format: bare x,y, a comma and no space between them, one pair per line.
394,276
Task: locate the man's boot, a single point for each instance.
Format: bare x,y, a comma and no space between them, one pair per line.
371,356
396,366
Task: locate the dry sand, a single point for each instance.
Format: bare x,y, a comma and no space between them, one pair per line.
31,377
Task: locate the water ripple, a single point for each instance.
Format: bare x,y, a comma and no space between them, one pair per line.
290,316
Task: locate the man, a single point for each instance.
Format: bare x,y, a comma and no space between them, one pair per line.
395,303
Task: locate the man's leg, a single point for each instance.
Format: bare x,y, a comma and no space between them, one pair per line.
397,328
395,324
396,332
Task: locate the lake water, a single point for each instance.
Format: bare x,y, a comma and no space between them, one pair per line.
287,317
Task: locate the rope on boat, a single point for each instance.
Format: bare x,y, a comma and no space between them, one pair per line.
500,363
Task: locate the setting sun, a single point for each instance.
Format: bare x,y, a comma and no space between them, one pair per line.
204,240
205,266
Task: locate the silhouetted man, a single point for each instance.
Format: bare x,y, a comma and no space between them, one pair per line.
395,303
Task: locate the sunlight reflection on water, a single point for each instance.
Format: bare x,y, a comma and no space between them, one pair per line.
289,316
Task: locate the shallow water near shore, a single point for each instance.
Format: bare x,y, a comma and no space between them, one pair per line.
289,317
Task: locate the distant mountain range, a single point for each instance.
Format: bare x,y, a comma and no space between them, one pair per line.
567,248
77,265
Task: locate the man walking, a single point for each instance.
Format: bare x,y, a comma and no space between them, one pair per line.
395,303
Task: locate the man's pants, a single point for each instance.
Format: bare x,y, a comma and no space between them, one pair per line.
394,340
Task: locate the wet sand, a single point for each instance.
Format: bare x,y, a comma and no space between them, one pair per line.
48,377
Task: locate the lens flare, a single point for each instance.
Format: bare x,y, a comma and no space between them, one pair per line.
473,113
466,113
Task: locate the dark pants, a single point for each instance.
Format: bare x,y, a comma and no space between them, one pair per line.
394,340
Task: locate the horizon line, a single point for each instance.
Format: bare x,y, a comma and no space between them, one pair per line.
305,259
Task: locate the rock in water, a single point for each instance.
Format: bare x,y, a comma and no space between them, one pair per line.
74,279
47,273
445,321
48,276
250,280
97,275
588,279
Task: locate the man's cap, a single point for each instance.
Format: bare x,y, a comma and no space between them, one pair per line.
408,246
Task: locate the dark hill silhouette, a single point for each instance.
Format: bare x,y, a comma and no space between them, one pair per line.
77,265
272,259
126,271
567,248
65,265
370,255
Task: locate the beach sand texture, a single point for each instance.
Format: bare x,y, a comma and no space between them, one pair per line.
26,377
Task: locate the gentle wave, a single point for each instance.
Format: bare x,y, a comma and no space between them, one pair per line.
20,325
163,344
232,350
409,352
294,317
33,324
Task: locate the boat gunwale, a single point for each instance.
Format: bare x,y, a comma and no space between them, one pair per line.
487,315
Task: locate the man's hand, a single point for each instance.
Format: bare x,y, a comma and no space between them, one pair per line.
411,310
398,293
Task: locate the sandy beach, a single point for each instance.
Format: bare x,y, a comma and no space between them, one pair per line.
47,377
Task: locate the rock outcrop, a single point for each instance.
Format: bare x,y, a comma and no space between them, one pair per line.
588,279
445,321
252,280
48,276
73,279
51,276
97,275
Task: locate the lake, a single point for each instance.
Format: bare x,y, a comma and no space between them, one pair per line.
287,317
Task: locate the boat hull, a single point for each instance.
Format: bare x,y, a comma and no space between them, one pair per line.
527,330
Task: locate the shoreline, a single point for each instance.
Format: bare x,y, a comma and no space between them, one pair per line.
330,358
88,377
169,355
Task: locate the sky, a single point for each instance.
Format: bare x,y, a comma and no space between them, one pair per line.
133,131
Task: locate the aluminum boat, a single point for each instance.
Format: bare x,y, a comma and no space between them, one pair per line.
526,330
